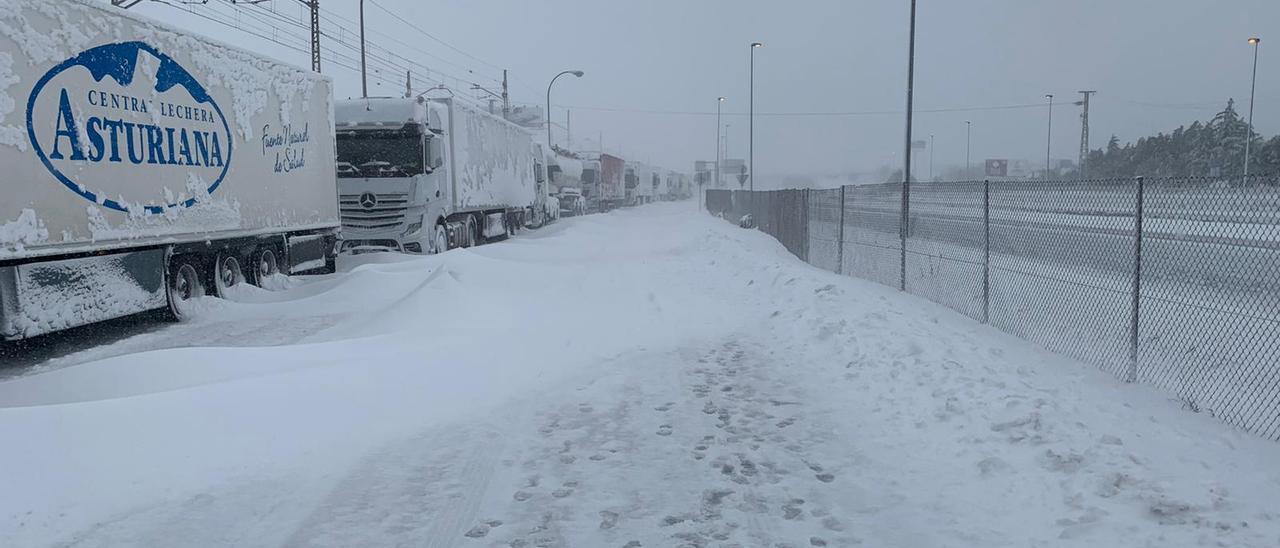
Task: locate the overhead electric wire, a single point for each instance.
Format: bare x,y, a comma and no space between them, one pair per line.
803,113
431,36
201,14
374,61
409,46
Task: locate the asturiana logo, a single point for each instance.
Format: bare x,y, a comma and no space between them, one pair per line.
119,123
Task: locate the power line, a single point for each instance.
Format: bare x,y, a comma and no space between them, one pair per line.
415,49
431,36
203,15
798,113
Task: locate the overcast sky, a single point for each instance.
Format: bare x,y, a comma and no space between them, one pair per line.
655,67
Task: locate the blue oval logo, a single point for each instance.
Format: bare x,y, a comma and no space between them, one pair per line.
120,123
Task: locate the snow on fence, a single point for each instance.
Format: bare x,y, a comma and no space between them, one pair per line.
1173,282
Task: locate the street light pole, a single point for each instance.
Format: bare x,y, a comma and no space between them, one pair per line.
719,102
1248,136
968,132
576,73
1048,147
904,226
364,80
751,122
931,157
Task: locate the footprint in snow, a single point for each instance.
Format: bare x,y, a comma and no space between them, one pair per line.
482,529
664,430
608,520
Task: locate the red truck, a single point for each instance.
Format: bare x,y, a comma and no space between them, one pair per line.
602,182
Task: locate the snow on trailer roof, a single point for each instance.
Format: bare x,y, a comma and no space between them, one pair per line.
571,167
392,112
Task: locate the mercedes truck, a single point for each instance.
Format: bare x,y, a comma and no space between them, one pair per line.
423,175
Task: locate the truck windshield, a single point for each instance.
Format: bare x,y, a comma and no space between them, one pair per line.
380,153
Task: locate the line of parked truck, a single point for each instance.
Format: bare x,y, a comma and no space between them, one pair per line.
145,168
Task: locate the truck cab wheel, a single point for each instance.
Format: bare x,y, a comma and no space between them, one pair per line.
472,237
439,239
184,286
227,274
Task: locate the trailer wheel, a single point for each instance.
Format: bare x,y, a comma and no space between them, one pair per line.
439,239
227,273
265,265
183,288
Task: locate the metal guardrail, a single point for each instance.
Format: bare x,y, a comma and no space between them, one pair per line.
1173,282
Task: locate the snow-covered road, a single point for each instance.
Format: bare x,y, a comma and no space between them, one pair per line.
649,377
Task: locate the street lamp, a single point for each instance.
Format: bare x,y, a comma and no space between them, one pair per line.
968,131
904,221
576,73
751,122
1248,136
719,103
1048,140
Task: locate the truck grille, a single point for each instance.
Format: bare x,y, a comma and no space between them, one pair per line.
388,212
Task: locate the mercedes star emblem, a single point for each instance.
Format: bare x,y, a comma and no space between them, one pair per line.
368,200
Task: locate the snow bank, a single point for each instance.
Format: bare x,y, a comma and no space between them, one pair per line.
935,431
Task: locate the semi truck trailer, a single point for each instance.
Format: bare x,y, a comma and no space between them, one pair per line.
421,175
145,167
607,172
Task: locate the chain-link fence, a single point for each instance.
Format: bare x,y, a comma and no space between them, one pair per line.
1174,281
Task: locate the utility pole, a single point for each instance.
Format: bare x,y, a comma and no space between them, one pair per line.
408,84
1084,132
314,5
931,157
364,79
506,98
568,129
1048,146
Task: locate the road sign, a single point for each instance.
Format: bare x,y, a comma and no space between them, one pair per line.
998,168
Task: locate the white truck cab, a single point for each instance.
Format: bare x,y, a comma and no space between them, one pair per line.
424,175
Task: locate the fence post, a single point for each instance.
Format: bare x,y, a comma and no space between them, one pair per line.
804,226
840,237
1137,283
986,251
904,227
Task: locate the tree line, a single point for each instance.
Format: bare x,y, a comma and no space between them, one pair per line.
1203,149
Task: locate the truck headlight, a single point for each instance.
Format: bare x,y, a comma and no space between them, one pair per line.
413,230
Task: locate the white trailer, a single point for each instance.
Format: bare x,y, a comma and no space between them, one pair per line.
144,166
424,175
646,181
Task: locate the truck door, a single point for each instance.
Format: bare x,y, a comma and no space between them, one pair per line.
438,172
